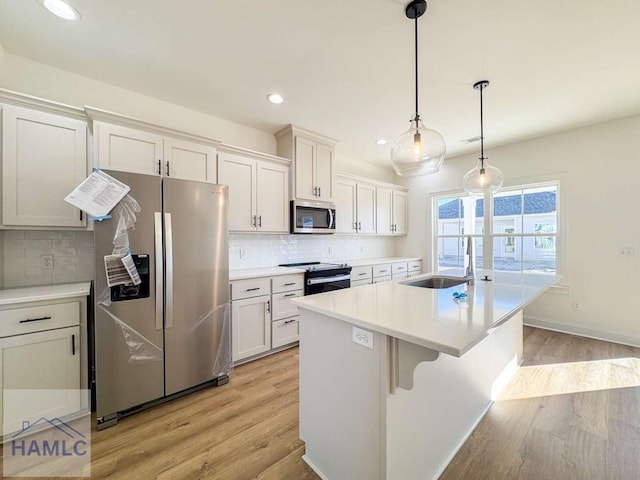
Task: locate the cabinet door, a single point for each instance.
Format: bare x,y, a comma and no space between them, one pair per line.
189,161
127,150
44,157
345,200
239,174
324,172
304,167
250,327
384,210
272,205
366,208
44,360
400,212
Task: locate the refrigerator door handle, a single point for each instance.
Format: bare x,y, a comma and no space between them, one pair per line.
158,255
168,234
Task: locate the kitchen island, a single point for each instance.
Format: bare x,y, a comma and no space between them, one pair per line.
394,377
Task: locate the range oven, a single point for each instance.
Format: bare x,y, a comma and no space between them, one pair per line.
324,277
308,216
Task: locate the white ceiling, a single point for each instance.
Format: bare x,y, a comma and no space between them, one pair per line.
345,67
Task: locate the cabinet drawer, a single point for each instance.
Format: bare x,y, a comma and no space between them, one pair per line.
287,283
381,270
252,287
399,268
400,275
414,273
384,278
360,273
39,318
284,332
357,283
282,306
415,266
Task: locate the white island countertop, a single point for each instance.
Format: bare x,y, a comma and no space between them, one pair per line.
432,318
12,296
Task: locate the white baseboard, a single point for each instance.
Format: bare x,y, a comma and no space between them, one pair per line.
613,337
313,467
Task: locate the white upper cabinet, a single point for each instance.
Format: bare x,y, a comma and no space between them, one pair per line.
128,145
258,190
127,150
369,207
313,162
44,157
391,211
366,210
345,200
384,210
399,212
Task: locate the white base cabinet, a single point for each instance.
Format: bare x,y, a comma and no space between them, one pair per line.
42,348
262,315
250,326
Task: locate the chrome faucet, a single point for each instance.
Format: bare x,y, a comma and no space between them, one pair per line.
469,274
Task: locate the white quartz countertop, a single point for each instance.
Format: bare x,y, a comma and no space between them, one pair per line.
12,296
244,273
379,261
432,318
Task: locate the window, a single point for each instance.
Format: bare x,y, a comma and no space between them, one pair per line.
521,229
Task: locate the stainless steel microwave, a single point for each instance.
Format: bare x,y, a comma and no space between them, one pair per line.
308,216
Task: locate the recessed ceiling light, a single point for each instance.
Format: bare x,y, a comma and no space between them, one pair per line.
275,98
61,9
381,141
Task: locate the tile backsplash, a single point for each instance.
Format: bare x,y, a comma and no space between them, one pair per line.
250,250
24,257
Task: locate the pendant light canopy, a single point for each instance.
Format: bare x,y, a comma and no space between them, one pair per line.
483,178
420,150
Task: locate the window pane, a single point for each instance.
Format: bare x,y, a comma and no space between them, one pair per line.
507,254
539,254
450,253
507,211
540,214
448,216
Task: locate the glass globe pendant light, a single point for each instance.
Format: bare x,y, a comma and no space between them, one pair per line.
483,178
420,150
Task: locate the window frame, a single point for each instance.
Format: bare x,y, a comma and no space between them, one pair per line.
557,180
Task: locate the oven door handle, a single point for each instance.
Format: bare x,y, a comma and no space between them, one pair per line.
316,281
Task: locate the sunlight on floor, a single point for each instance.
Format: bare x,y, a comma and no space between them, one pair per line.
563,378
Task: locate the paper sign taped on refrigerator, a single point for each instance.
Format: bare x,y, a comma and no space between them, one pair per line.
97,194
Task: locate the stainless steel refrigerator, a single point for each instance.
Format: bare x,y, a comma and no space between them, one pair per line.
170,334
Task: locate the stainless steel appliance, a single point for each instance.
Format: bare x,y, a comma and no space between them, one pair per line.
323,277
308,216
171,334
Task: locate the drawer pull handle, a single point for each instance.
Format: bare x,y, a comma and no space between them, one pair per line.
289,284
252,289
290,321
34,319
363,273
289,295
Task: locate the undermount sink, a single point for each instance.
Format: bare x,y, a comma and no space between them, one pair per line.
436,281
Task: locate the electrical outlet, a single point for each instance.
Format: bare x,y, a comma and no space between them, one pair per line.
242,252
626,252
576,305
329,250
362,337
46,262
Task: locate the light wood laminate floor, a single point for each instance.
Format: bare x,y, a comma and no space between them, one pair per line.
572,412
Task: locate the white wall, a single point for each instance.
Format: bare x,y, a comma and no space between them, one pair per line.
600,170
361,168
37,79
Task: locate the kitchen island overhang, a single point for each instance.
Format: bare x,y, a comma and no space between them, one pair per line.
399,403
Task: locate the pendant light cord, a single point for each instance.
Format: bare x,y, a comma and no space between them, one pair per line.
482,157
417,117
